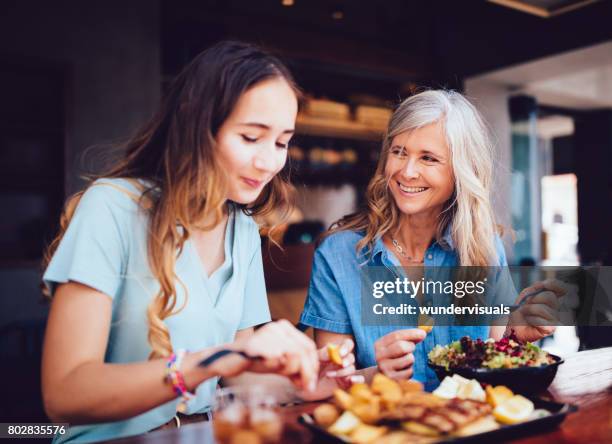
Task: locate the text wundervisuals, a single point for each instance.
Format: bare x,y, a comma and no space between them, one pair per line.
403,309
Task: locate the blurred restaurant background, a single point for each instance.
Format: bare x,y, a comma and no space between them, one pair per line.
77,77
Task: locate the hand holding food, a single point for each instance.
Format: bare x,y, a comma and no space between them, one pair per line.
337,369
538,316
333,352
283,350
425,323
338,363
394,352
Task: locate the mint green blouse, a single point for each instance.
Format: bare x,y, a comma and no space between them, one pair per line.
105,247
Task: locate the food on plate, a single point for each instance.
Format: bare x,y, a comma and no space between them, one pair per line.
420,429
361,391
513,410
410,385
389,390
345,424
508,352
364,433
343,399
497,395
403,437
457,386
325,414
334,354
425,323
482,425
370,410
388,411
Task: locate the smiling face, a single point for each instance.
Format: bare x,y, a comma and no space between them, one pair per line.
252,142
419,171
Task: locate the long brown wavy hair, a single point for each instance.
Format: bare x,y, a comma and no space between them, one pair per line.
175,153
468,212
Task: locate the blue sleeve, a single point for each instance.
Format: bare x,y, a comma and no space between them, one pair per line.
255,306
325,308
92,251
504,289
501,252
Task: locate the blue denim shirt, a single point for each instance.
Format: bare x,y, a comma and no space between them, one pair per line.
334,297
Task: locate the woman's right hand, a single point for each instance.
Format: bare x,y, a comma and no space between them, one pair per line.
283,350
394,352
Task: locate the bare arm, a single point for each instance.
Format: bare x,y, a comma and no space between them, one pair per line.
78,387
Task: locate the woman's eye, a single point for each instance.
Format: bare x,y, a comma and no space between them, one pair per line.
282,145
249,139
429,159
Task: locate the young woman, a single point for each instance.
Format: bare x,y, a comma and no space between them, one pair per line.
428,205
162,255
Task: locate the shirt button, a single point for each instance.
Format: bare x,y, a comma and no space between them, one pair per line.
430,256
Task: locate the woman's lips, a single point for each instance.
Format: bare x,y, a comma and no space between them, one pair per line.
252,182
411,190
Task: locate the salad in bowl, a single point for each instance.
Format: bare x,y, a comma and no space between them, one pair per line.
508,352
522,366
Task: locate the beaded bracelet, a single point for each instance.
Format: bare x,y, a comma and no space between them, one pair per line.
175,377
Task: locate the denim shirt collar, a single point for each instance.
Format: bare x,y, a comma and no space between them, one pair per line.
445,242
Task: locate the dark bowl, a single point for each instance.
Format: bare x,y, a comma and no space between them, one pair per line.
524,380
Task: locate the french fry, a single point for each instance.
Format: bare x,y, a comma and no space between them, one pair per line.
345,424
333,352
343,399
387,388
325,415
410,385
364,434
367,411
361,391
419,429
425,323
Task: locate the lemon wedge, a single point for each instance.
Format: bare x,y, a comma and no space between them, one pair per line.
498,394
513,410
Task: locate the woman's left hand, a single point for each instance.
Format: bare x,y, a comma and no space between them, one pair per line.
331,375
538,317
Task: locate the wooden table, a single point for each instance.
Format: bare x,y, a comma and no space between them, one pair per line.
584,380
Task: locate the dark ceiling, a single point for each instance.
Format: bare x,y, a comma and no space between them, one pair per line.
382,45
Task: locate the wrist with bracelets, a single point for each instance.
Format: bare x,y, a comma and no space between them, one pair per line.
175,377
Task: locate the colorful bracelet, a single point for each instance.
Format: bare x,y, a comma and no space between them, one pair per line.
175,377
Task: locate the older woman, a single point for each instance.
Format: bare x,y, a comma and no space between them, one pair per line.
428,205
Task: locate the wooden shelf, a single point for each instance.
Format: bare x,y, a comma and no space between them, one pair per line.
317,126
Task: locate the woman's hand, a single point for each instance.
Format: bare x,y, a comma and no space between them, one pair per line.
331,375
283,350
394,352
538,317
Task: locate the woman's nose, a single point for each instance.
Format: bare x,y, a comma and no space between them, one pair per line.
265,160
410,170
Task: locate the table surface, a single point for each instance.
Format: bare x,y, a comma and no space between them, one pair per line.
585,380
